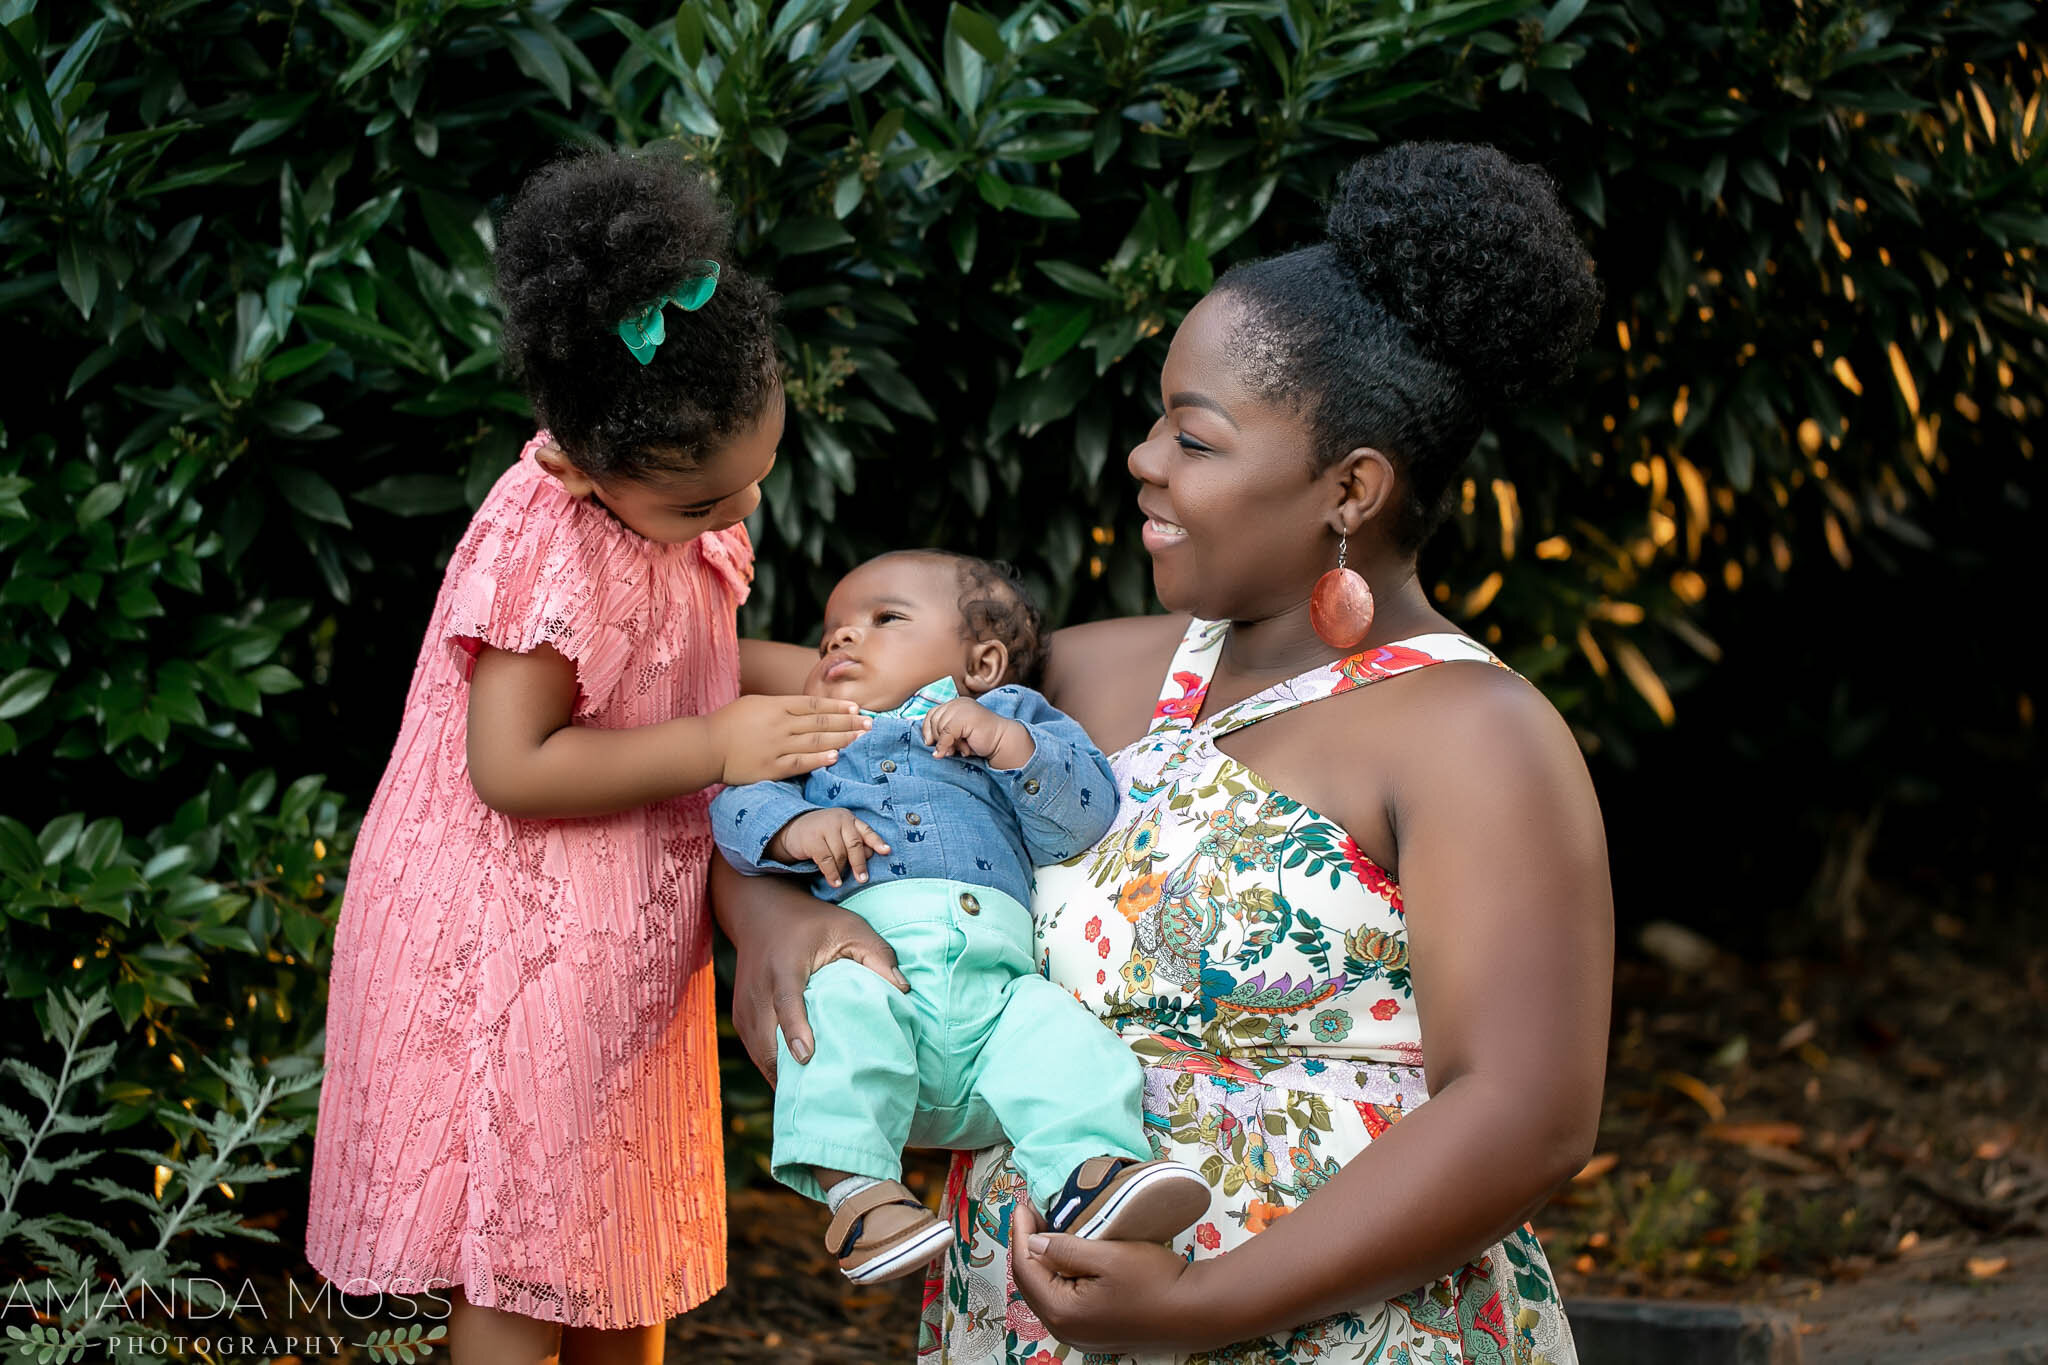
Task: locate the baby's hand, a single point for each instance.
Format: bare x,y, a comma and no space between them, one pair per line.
964,726
833,839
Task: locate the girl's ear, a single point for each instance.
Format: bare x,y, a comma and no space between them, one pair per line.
556,462
987,663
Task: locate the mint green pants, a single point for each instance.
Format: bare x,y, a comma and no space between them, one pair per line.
981,1049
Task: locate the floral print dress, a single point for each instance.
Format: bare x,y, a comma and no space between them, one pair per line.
1257,962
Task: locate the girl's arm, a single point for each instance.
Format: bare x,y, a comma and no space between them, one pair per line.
1503,868
781,934
528,758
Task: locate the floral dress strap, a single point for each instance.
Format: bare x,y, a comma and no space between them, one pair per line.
1187,677
1347,675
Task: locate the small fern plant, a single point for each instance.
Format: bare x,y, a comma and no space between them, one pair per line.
90,1277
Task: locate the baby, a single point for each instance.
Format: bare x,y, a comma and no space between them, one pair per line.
928,827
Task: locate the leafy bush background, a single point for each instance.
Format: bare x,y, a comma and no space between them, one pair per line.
253,392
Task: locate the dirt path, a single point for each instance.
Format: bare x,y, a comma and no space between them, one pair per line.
1862,1143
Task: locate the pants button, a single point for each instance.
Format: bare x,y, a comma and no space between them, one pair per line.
969,903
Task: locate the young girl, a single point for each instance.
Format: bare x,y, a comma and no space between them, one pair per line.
521,1105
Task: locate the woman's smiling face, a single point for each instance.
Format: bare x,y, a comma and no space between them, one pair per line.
1237,517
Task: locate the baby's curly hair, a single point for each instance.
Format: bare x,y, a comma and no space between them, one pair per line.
994,605
587,242
1452,282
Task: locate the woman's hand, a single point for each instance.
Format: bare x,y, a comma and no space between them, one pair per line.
783,934
1111,1296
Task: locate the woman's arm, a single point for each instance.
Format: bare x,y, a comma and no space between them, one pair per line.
782,934
528,758
1105,674
772,669
1504,873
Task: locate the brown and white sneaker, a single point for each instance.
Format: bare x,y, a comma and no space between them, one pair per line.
1119,1199
885,1232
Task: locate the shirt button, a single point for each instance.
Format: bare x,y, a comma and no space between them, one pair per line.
969,903
888,765
1031,786
912,819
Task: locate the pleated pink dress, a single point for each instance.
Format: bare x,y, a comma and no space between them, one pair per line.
522,1076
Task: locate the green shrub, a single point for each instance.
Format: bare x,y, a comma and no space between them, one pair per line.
254,385
93,1288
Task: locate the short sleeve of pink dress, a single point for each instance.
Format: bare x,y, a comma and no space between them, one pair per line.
522,1093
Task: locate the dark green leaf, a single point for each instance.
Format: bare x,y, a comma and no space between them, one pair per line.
310,493
539,58
1056,339
1040,203
415,495
23,690
689,28
979,32
385,46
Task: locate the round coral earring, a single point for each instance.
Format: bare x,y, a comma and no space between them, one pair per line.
1340,609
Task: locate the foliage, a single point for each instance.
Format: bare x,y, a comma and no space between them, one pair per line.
81,1306
226,962
255,385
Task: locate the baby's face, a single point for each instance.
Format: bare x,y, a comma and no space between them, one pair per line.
891,626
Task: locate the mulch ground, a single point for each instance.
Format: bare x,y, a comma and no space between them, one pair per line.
1771,1129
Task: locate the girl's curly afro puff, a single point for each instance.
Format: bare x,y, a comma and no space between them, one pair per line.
1452,282
585,244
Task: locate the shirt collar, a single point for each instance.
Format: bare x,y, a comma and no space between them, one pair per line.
926,699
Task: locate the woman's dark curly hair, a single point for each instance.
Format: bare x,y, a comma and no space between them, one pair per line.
586,243
1452,282
995,606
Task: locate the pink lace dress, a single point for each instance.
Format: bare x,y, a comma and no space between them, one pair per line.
522,1086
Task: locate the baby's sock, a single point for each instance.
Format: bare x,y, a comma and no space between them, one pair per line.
847,1189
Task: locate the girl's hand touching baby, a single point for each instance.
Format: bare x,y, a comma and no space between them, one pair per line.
769,739
965,727
833,839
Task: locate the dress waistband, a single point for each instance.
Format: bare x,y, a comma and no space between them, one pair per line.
1375,1081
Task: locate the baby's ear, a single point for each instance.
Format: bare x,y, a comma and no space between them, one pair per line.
557,463
988,663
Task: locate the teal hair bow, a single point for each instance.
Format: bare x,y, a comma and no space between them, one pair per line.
644,332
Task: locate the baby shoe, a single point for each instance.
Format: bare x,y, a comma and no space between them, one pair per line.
885,1232
1119,1199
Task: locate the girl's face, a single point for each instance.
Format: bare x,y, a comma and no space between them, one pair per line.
675,506
1237,518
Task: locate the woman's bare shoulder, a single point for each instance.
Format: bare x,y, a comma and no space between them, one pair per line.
1469,733
1106,674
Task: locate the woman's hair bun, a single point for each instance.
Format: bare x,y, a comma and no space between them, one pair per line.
1475,256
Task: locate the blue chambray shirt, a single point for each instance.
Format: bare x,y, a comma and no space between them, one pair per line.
951,818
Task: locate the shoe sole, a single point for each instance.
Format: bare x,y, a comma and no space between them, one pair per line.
905,1258
1153,1207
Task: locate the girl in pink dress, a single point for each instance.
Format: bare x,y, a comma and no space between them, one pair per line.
521,1105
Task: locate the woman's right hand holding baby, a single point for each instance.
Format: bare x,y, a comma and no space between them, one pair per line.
770,739
836,840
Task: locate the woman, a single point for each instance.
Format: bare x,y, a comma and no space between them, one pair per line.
1357,863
